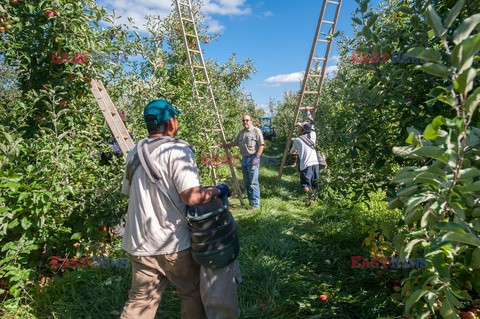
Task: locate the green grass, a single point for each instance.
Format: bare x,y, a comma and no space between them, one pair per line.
289,256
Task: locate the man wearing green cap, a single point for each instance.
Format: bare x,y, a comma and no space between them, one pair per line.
161,178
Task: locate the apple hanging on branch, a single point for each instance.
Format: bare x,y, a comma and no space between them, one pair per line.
49,13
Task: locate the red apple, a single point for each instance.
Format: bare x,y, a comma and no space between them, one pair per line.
407,294
14,1
103,229
323,298
2,20
467,315
49,13
207,40
2,29
62,103
396,288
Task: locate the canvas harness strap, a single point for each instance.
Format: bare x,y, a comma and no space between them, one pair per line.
145,148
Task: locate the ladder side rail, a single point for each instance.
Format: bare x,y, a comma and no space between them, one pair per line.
122,131
327,54
210,91
185,41
304,86
125,144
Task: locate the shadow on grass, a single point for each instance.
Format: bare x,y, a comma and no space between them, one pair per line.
289,256
289,259
93,293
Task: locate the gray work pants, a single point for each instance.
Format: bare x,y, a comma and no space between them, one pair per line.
218,289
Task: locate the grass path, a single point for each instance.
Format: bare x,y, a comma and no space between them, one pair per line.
289,255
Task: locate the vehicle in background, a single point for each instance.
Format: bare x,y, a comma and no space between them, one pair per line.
266,127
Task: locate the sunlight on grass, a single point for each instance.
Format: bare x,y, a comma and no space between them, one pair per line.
289,255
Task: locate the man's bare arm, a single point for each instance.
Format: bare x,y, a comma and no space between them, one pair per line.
199,195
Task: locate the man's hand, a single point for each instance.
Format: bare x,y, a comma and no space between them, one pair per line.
256,160
224,190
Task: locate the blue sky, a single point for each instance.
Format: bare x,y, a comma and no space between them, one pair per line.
276,35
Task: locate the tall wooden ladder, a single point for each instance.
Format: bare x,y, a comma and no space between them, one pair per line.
111,115
316,69
202,89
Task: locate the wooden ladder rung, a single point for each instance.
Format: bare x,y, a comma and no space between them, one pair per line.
329,22
322,40
310,92
333,2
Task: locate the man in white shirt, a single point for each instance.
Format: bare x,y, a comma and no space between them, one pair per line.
156,236
309,165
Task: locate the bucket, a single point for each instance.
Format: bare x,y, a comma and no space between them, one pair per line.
214,234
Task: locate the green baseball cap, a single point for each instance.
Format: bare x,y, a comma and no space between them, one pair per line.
161,110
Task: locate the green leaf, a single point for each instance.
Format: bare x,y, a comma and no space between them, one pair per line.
8,246
452,299
412,139
468,239
428,54
473,187
407,191
464,82
456,228
14,223
402,150
472,102
357,20
469,172
466,28
454,12
475,262
430,132
26,223
440,266
411,244
76,236
463,54
431,152
414,297
434,69
434,20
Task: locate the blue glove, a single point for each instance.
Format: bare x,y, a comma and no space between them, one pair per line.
224,190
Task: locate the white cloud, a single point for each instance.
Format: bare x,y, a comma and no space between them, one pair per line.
295,77
226,7
213,26
138,9
280,79
334,59
331,69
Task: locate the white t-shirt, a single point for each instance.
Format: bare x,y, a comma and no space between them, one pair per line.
149,232
307,155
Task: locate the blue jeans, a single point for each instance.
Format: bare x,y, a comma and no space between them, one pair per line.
250,179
